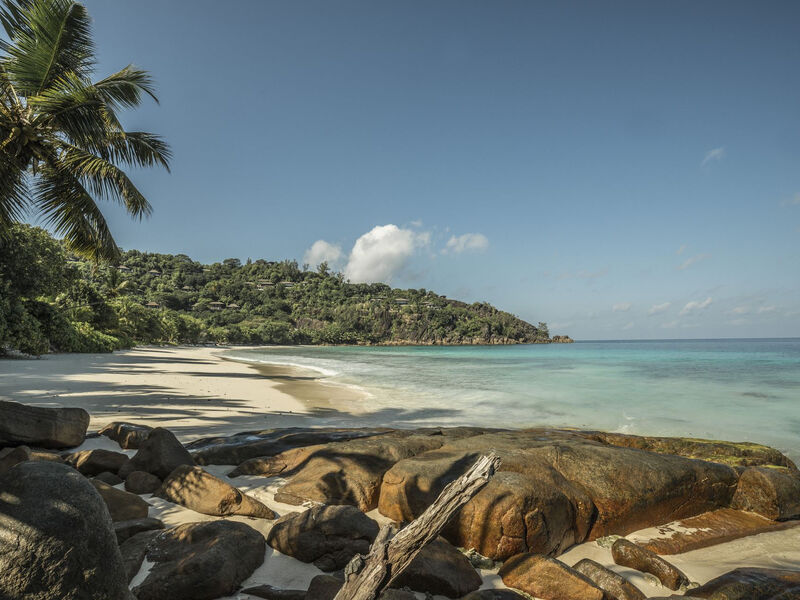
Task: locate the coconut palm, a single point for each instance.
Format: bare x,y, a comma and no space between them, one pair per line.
61,143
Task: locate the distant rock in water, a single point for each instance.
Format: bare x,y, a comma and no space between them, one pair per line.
561,339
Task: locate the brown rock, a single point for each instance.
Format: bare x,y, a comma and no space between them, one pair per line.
494,594
272,593
708,529
554,489
200,491
122,506
43,427
773,493
628,554
613,584
159,454
340,472
128,435
111,479
94,462
235,449
440,569
328,536
134,549
750,583
730,453
12,456
201,561
57,541
128,529
547,578
142,482
324,587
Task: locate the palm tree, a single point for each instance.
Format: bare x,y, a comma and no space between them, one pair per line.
60,139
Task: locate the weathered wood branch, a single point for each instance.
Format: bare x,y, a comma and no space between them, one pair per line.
366,576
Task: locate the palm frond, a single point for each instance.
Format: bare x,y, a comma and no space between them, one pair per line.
51,38
104,179
11,15
125,87
137,148
14,198
70,210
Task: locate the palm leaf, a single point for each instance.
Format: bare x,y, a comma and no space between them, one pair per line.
54,38
104,179
70,210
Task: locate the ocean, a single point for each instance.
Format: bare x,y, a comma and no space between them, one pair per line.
738,390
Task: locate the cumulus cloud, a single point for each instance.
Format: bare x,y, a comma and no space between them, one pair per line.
766,309
382,252
692,260
716,154
739,310
657,309
694,306
622,307
469,241
322,251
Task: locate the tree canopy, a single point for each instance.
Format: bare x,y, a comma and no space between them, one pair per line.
55,300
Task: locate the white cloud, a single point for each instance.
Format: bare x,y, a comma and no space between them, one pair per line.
382,252
628,326
322,251
622,307
417,223
692,260
659,308
739,310
793,201
694,306
681,250
715,154
766,309
469,241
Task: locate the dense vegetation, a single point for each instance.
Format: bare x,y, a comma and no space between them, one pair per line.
52,300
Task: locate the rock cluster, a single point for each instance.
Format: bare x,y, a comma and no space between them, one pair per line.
73,533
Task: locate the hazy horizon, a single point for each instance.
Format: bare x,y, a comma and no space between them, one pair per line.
618,169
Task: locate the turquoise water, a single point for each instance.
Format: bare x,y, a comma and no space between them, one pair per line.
740,390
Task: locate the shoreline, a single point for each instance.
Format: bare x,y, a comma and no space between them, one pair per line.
198,392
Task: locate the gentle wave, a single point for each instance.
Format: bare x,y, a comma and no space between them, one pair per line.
740,390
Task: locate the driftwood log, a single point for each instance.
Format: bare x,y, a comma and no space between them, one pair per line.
366,576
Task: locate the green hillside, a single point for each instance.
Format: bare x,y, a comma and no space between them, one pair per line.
53,301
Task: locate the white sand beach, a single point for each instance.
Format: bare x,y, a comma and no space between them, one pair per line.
190,390
194,392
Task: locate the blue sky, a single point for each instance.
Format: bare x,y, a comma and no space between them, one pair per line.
617,169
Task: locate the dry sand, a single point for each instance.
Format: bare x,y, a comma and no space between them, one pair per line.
194,392
189,390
